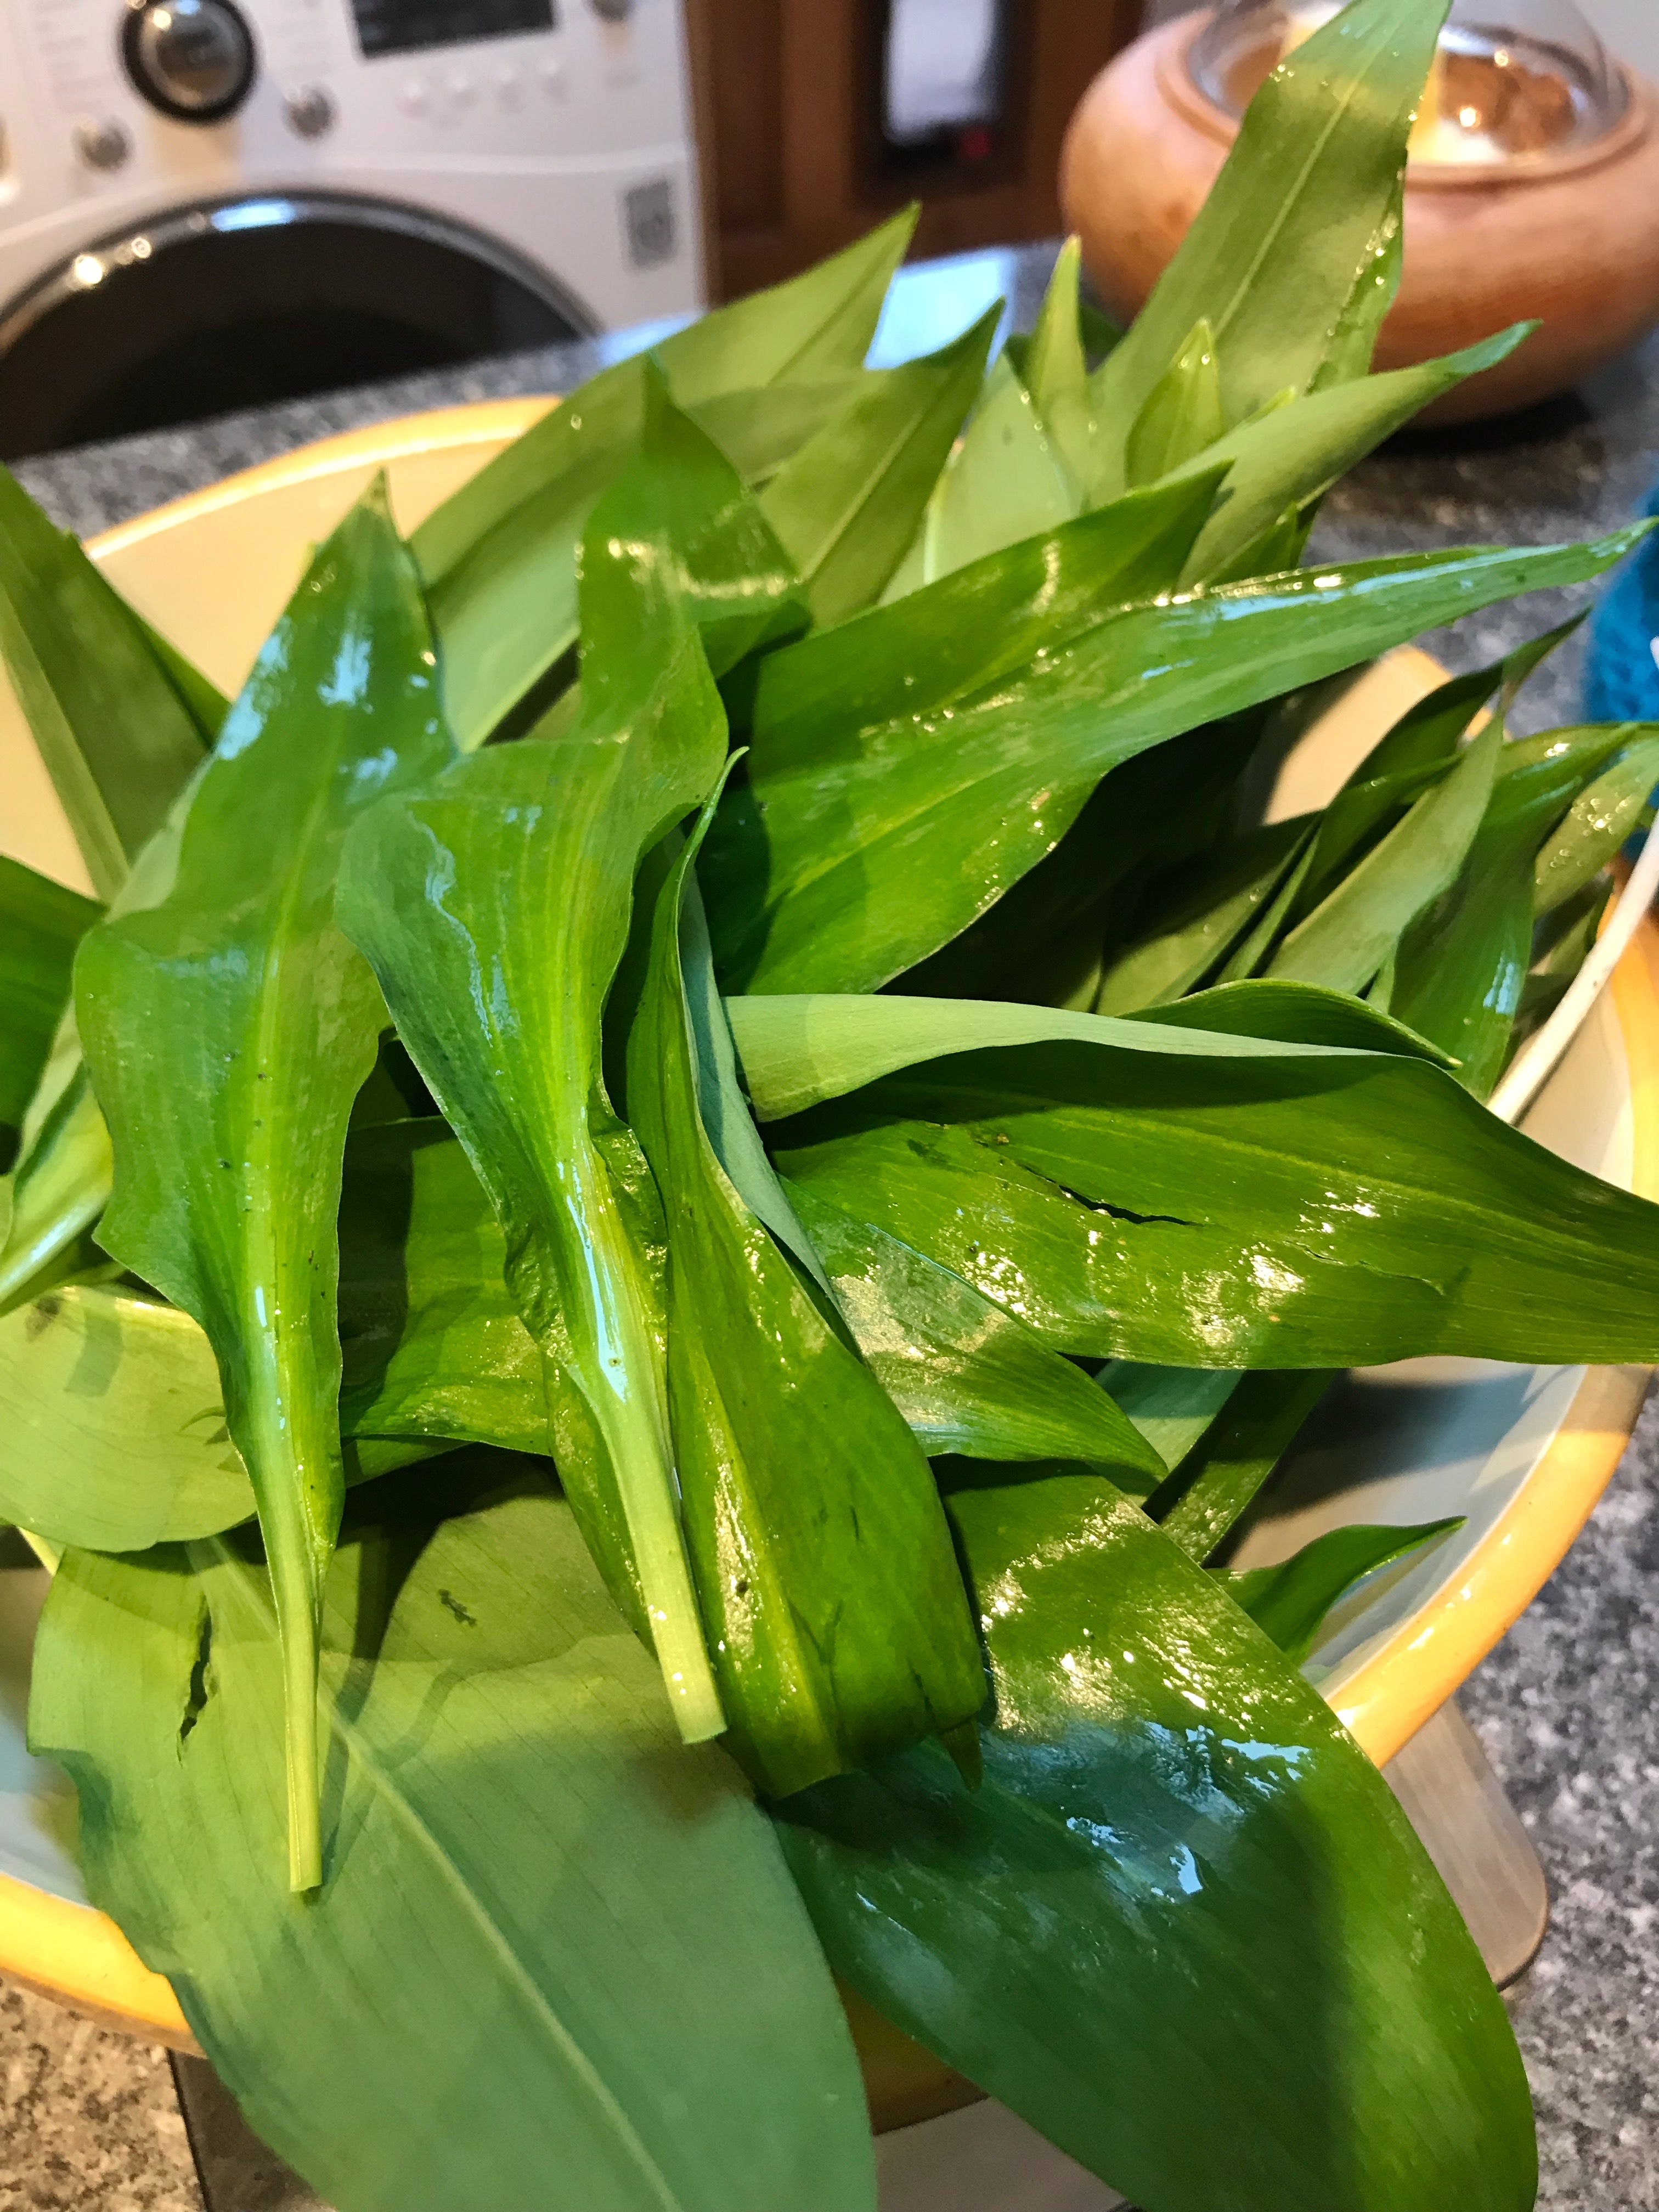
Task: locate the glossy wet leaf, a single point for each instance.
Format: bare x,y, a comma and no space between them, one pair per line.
1216,1487
1290,1603
830,1593
1599,822
1007,480
116,738
498,558
41,923
227,1029
1266,1206
1289,455
967,1377
856,848
60,1181
1462,968
1181,1927
1349,936
1181,416
496,907
556,1955
1208,906
848,504
1305,208
1054,366
1172,1407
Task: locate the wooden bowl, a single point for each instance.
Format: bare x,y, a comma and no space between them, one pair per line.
1571,239
1525,1453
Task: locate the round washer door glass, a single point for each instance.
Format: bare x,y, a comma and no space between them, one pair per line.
254,303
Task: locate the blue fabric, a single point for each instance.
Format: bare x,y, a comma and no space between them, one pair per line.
1622,681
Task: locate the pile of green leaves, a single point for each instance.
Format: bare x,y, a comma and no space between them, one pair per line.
692,1167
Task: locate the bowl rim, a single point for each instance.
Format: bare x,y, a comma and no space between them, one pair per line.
75,1955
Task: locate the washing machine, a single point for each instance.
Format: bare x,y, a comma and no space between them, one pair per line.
208,204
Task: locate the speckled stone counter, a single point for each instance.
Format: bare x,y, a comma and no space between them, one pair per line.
1568,1707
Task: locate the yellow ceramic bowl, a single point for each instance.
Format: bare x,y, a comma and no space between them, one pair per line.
1524,1453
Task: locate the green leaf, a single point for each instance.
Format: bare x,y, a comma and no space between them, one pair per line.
1349,935
1600,820
116,738
1295,1013
848,504
1054,369
1006,481
1306,208
1211,1494
829,1590
1181,1927
40,925
556,1955
1214,1202
1291,455
1181,416
1290,1603
60,1184
227,1029
1462,967
1375,287
496,907
1172,1407
1207,907
498,558
857,848
116,1427
967,1377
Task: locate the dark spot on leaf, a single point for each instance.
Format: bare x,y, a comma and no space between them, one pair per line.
740,1588
224,1164
201,1682
453,1604
42,1314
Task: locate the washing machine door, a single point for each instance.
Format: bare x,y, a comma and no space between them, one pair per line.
255,300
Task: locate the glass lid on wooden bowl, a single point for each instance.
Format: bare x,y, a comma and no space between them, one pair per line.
1514,80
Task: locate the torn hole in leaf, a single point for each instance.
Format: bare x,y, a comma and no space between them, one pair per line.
201,1681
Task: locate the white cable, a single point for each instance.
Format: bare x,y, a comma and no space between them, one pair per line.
1534,1066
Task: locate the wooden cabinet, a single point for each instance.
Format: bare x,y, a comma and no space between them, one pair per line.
790,99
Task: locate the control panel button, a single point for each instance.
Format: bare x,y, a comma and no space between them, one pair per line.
192,59
309,110
102,145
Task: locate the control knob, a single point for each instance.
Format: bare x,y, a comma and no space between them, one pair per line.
192,59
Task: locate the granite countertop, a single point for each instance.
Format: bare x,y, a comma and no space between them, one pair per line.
1565,1707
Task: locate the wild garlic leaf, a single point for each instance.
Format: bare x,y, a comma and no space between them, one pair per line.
1245,1205
147,1459
1292,1602
1357,927
496,907
227,1029
1211,1494
846,505
1181,416
969,1377
1054,368
829,1589
854,850
558,1956
41,923
1597,824
116,738
1006,481
1173,1407
1204,909
1462,967
1291,455
1132,1932
1304,208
